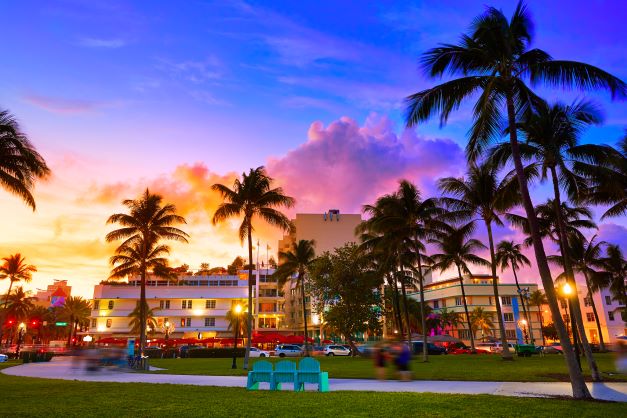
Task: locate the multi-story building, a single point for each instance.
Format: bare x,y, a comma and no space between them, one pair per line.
446,294
329,230
194,306
54,295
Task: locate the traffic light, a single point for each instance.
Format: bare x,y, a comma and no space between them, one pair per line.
34,323
10,322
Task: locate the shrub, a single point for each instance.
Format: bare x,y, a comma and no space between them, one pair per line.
34,356
215,352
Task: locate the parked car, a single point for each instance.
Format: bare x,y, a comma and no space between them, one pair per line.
257,352
498,347
288,350
487,346
3,358
466,350
366,350
432,349
184,349
554,348
336,350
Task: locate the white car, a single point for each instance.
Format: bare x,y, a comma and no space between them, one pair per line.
498,347
256,352
3,358
336,350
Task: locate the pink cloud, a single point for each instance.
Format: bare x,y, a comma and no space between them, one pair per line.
61,105
345,166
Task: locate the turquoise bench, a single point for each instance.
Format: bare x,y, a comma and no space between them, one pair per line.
261,373
309,372
284,372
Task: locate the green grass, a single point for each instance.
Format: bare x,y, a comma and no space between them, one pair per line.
462,367
22,396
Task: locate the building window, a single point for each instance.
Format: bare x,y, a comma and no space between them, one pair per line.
444,303
94,323
96,304
464,334
507,300
210,322
210,304
164,304
489,300
436,304
186,304
458,301
608,300
508,317
110,305
590,316
186,322
510,334
109,323
610,315
587,301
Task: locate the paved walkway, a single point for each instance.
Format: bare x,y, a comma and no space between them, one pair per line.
61,368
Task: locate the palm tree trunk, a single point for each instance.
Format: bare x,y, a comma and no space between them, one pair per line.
405,308
580,390
301,279
142,311
6,302
522,302
594,310
425,351
541,324
505,354
69,337
472,337
249,330
397,306
576,307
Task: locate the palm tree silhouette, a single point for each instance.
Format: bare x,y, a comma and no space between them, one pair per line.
19,304
538,298
135,322
250,197
481,320
77,311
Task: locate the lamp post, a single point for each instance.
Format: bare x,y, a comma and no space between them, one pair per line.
20,334
568,291
237,309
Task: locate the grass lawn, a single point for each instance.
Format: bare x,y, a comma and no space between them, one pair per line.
22,396
461,367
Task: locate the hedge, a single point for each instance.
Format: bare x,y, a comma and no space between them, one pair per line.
215,352
35,357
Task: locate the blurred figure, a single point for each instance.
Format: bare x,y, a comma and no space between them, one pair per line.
403,357
621,358
380,361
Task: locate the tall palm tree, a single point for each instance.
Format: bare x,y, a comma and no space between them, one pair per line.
615,266
20,163
448,318
40,315
147,222
482,195
584,256
495,61
538,298
19,304
16,270
135,322
481,320
252,197
297,260
77,311
457,250
552,144
509,254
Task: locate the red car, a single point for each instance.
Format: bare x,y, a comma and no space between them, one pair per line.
467,350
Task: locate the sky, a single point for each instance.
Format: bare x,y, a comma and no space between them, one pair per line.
176,96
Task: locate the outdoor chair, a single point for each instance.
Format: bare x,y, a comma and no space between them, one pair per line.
284,372
261,373
309,372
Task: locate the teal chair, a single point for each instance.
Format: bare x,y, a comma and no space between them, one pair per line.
309,372
261,373
284,372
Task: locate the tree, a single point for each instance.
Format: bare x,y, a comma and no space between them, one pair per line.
234,320
20,163
495,61
448,318
19,304
16,270
538,299
457,250
481,320
615,266
146,224
345,284
135,322
509,254
252,197
76,311
296,261
482,195
42,317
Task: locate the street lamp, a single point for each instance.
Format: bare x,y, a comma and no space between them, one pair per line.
21,331
237,309
567,290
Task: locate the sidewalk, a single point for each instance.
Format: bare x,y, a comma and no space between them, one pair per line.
61,368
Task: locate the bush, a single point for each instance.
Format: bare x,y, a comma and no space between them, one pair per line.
35,357
215,352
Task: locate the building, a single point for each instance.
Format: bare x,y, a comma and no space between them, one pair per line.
54,295
193,306
329,230
446,294
608,309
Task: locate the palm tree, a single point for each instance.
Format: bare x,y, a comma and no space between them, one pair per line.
584,255
77,311
509,254
448,318
250,197
495,61
297,260
19,304
147,222
481,320
457,249
16,270
40,315
234,320
135,322
615,266
538,298
482,195
20,163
